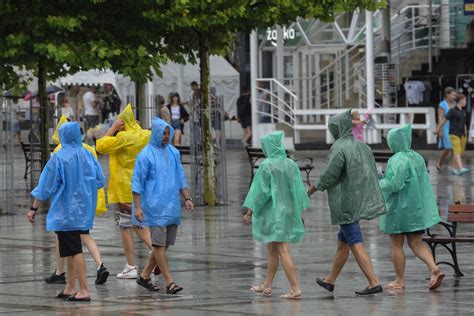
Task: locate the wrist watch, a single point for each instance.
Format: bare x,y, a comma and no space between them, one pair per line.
189,199
34,209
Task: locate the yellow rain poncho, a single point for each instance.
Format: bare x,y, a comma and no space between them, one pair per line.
123,149
101,204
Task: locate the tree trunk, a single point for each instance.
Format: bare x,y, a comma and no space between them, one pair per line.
140,92
44,113
210,196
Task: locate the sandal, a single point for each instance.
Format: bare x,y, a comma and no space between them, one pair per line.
435,281
260,289
393,286
291,295
64,296
147,284
173,288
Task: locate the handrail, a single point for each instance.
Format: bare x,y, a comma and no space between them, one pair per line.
285,89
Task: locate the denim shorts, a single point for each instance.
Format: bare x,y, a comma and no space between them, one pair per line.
350,234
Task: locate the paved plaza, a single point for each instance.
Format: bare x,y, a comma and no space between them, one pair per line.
216,261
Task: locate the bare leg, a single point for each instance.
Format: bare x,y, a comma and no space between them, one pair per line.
288,266
59,260
457,162
127,244
398,260
442,157
91,245
364,263
80,271
70,288
339,261
161,259
144,235
177,138
421,251
272,265
150,265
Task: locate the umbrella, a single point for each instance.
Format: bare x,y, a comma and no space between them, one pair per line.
49,89
12,94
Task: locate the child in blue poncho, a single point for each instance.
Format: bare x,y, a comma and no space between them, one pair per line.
70,180
158,179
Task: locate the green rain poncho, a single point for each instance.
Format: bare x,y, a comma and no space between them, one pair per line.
350,176
277,195
410,200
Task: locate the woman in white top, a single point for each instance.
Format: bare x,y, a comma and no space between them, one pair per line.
67,110
179,115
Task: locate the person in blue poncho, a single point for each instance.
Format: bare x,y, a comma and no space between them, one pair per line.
158,179
70,181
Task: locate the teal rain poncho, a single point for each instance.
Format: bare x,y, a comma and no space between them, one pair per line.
277,196
70,180
411,203
158,177
350,176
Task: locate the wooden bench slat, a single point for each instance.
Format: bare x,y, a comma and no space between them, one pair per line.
461,218
461,208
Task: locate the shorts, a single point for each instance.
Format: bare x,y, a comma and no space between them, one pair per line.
350,234
216,124
163,236
176,124
16,127
417,232
123,218
70,243
246,121
458,143
91,121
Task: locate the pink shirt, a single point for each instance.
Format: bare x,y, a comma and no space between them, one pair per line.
358,131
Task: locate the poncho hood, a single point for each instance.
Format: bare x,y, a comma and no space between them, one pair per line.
399,139
62,120
70,135
157,130
128,118
340,125
272,145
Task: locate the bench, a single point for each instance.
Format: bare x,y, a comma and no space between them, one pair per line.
457,213
256,154
32,156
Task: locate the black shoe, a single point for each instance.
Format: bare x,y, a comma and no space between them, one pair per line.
56,279
327,286
102,275
367,291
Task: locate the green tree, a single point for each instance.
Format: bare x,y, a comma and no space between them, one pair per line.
207,27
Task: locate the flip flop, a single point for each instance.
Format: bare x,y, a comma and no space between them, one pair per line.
391,286
72,298
64,296
437,282
291,296
259,289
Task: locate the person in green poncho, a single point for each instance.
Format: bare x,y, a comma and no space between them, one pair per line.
276,199
350,177
411,206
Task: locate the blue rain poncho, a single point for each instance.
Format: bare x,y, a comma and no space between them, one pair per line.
158,177
411,203
70,180
277,195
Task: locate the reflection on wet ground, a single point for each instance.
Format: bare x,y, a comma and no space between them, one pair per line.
216,261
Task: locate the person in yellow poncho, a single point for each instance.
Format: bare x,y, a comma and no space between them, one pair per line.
122,142
58,275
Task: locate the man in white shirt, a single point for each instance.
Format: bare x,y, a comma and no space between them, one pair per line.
91,109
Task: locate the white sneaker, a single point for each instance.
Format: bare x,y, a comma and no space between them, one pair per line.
128,272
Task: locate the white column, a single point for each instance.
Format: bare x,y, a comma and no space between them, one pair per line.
444,34
253,85
280,68
369,59
180,82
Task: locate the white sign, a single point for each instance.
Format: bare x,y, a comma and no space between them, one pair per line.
288,34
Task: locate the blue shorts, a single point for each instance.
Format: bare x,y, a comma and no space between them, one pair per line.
350,234
176,124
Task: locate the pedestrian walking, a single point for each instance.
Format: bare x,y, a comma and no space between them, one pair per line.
122,142
70,180
58,276
411,206
179,116
244,114
351,179
457,133
276,200
158,180
444,143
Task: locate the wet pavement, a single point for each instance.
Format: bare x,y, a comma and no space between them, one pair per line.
216,260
